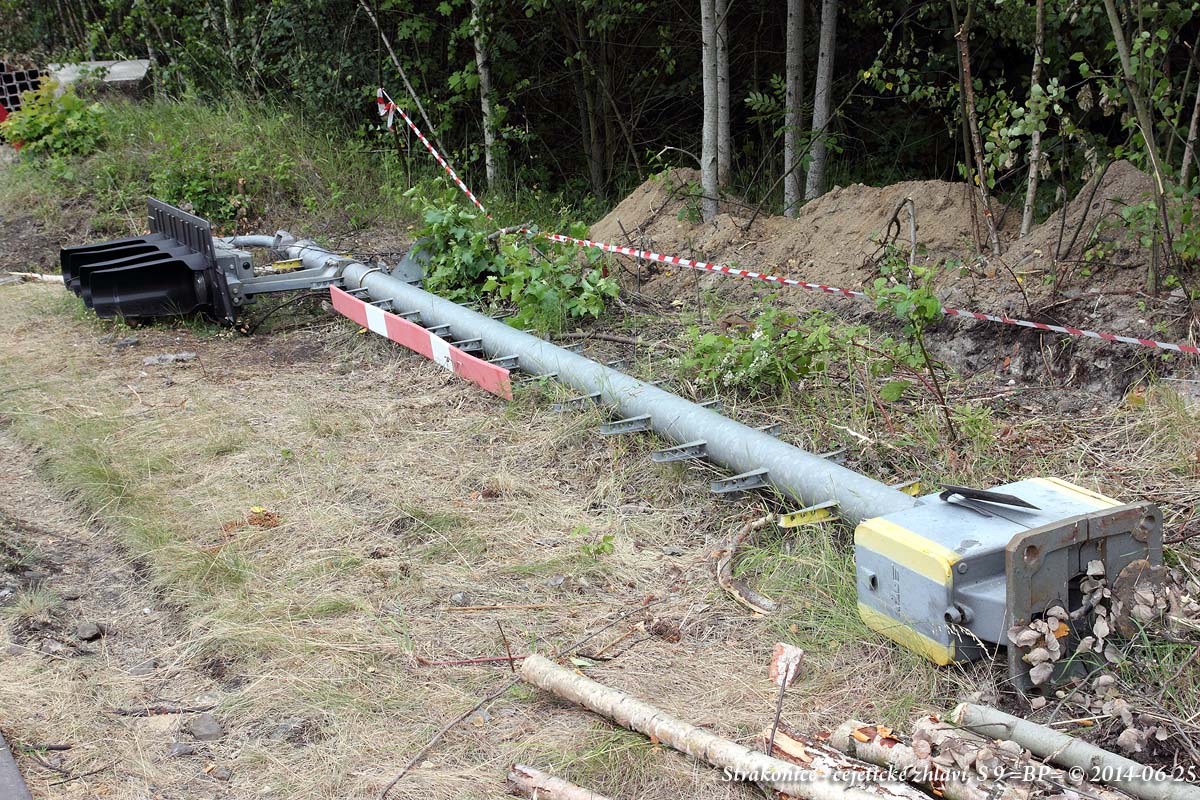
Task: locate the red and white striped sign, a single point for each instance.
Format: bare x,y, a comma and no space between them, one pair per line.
388,108
488,376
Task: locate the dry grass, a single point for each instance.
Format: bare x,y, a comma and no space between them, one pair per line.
396,487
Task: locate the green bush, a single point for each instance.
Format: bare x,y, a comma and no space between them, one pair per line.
65,124
548,283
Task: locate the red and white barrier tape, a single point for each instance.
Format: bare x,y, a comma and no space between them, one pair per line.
386,106
389,109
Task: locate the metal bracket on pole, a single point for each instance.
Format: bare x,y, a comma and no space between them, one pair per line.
836,456
574,347
469,345
411,316
439,330
754,479
575,403
506,362
616,363
774,429
384,304
711,405
822,512
628,425
688,451
540,377
910,488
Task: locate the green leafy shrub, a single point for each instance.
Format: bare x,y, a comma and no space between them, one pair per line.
65,124
764,358
548,283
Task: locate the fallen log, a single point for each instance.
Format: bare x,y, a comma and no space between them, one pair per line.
811,754
1095,763
539,785
737,761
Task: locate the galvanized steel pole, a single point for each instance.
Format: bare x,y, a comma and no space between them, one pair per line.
796,473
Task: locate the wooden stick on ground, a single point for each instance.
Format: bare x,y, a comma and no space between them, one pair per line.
538,785
723,562
737,761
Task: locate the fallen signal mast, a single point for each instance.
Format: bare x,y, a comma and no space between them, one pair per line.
944,574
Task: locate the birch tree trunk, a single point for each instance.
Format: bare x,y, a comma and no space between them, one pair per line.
724,147
738,761
541,786
709,159
814,186
485,94
1035,138
793,118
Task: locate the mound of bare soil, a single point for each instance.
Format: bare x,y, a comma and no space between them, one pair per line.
1082,267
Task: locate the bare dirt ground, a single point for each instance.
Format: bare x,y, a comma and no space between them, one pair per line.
1080,268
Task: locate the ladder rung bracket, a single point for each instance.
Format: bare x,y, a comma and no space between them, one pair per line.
627,425
754,479
438,330
774,429
574,347
823,512
616,363
576,403
713,405
688,451
415,281
505,362
910,488
411,316
385,303
357,292
468,345
657,383
836,456
543,376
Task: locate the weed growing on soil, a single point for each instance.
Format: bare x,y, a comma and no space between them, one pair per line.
32,604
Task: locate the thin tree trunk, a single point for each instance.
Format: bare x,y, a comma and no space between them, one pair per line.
709,159
231,40
485,94
596,142
793,118
1035,138
966,134
541,786
724,147
1147,127
737,760
964,56
1189,150
814,186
